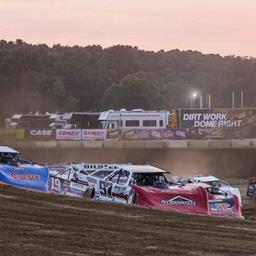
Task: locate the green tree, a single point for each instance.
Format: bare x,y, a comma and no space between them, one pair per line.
134,91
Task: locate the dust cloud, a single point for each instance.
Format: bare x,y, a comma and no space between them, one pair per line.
222,163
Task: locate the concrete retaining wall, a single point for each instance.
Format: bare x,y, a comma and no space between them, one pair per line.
153,144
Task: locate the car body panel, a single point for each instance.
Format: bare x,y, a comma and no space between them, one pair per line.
20,173
67,179
214,182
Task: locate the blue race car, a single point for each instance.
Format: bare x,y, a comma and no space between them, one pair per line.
21,173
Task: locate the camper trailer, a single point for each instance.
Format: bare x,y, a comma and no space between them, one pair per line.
134,119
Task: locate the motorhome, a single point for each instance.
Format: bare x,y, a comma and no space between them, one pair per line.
134,119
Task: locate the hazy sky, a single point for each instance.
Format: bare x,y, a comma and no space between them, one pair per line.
211,26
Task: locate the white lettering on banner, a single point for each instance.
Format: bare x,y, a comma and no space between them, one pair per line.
68,134
94,134
41,132
215,116
211,120
192,117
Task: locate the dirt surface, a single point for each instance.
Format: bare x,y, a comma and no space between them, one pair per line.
34,223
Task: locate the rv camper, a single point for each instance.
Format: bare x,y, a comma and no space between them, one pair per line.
134,119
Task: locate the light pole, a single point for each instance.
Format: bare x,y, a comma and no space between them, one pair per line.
209,101
193,99
242,99
201,101
233,99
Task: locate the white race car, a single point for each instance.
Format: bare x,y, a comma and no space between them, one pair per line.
216,183
76,179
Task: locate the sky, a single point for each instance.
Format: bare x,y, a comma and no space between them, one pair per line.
225,27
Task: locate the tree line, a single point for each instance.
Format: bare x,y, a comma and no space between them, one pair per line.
92,78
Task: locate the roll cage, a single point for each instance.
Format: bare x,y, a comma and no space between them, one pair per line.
124,177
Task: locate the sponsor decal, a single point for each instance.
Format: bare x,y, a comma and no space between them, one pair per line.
178,201
77,186
225,205
19,169
91,180
221,207
74,192
16,176
122,196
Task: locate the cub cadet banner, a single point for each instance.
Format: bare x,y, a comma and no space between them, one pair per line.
68,134
94,134
219,123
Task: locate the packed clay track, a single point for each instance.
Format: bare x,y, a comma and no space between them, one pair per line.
34,223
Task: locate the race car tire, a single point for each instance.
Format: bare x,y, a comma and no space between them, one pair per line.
93,194
131,198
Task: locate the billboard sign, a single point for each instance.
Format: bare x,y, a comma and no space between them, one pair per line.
40,134
94,134
68,134
219,123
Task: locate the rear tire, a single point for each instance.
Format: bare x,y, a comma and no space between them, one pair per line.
131,198
93,194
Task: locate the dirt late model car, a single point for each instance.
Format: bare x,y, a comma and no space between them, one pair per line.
17,172
77,179
251,190
216,184
147,186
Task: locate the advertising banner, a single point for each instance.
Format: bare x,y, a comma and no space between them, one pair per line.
35,178
153,134
150,134
40,134
94,134
68,134
131,134
219,123
174,134
113,133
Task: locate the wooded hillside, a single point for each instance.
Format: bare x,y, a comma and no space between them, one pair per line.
60,78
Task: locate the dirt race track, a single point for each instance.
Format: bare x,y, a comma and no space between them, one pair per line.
45,224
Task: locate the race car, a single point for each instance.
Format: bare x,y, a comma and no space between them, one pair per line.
76,179
217,184
14,171
251,190
147,186
67,179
